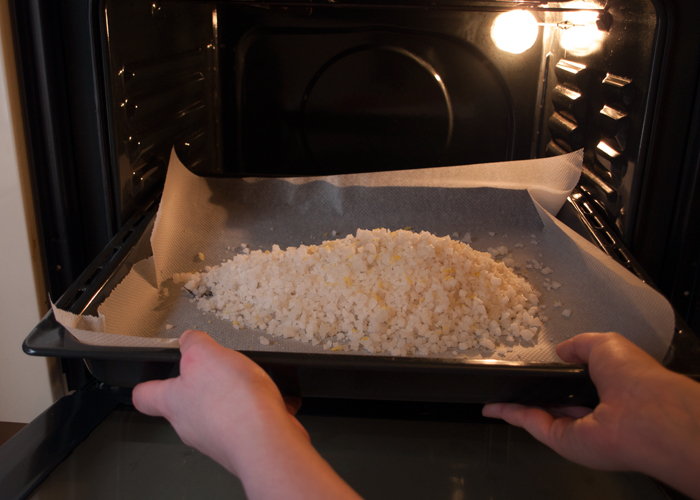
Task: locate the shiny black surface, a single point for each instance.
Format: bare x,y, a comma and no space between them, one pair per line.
31,454
131,456
286,88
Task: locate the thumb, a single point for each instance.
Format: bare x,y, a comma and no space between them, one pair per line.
578,349
150,397
190,338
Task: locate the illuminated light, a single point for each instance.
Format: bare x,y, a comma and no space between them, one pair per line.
583,36
515,31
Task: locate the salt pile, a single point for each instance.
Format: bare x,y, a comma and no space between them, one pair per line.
399,293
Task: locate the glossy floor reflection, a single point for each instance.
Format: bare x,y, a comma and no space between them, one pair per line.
131,456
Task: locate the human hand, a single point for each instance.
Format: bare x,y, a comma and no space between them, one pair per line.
648,418
219,394
228,408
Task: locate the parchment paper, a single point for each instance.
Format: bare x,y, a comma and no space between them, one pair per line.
491,204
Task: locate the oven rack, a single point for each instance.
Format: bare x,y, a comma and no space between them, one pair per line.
361,377
685,347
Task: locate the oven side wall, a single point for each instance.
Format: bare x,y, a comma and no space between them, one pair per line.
666,238
25,382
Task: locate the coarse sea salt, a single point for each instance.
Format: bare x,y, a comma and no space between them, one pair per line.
394,292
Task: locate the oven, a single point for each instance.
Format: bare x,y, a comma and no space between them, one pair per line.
241,89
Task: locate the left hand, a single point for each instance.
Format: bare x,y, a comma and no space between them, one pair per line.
220,402
228,408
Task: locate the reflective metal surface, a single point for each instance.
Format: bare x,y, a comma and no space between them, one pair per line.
131,456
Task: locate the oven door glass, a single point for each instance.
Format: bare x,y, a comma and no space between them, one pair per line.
383,450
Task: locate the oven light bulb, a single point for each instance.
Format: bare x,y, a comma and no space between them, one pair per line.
583,37
515,31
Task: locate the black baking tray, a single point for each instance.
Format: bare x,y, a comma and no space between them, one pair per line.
348,376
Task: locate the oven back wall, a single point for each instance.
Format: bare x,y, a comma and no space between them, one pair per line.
25,381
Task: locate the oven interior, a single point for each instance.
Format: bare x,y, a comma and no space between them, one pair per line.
246,88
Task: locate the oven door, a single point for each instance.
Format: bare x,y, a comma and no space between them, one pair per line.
93,444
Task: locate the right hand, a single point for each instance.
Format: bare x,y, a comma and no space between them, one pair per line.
648,418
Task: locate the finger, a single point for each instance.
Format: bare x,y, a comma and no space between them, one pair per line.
570,411
578,349
492,410
193,337
495,410
573,439
292,403
536,421
558,433
150,397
